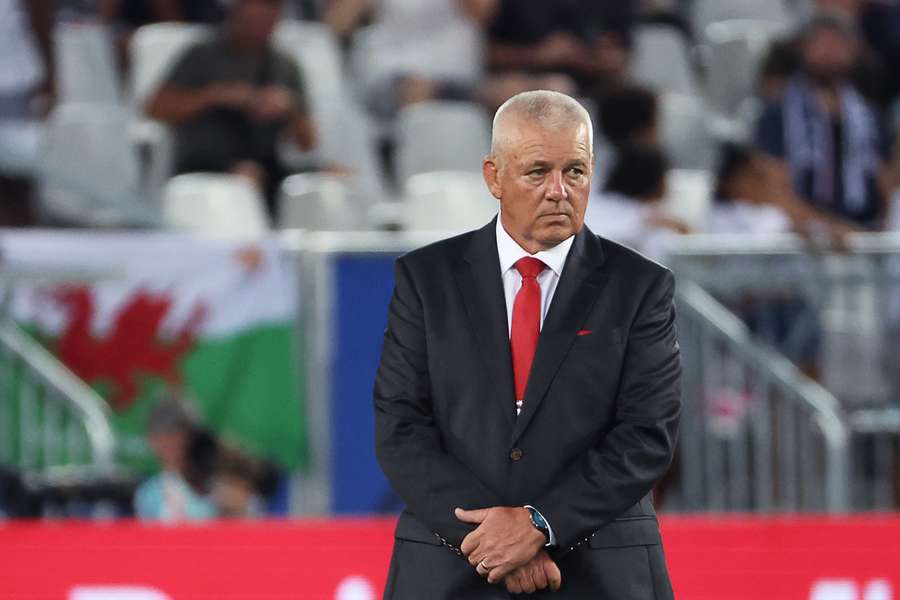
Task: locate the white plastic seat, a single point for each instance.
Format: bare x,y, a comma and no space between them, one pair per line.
86,64
706,12
688,195
154,51
315,50
88,167
321,202
735,51
214,203
685,134
661,60
449,201
441,136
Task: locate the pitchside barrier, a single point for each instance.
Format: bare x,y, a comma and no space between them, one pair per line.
709,558
761,323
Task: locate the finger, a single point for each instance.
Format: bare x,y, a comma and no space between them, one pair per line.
471,516
481,570
498,573
512,585
554,576
538,575
526,581
470,543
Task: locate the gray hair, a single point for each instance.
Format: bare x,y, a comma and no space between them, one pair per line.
552,110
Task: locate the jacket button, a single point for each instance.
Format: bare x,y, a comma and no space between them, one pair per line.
516,454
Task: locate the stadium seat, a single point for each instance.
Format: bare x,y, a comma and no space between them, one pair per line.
441,136
706,12
214,203
661,60
450,201
347,139
86,64
685,135
735,50
321,202
88,168
688,195
315,49
154,50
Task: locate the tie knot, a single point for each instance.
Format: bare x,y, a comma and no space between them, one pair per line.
529,266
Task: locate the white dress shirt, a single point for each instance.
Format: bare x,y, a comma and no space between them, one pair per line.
509,252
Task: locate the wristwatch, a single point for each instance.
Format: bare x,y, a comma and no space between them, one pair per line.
537,519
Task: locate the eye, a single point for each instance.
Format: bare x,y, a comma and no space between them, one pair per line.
536,172
576,171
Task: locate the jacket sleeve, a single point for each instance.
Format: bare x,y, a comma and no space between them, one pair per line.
625,465
408,444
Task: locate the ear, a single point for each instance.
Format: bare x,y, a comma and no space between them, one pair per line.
491,176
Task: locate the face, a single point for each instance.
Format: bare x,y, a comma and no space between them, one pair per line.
542,179
253,21
170,449
828,55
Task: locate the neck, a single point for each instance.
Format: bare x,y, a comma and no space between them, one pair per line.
529,245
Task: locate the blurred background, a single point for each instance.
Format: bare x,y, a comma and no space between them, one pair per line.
201,202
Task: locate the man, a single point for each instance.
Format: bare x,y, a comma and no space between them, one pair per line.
27,90
231,98
528,394
827,134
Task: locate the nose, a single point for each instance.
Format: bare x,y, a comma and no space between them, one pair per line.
556,187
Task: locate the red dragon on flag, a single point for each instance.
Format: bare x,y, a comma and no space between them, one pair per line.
132,348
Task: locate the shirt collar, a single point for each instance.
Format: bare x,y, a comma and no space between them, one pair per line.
510,251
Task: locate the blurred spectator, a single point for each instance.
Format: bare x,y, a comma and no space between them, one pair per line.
784,59
231,98
26,92
753,194
629,115
236,484
587,40
827,133
629,210
178,492
425,49
125,16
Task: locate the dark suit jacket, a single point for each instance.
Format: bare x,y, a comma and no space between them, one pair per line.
597,428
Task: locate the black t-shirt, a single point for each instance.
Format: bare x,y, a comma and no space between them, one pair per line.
215,139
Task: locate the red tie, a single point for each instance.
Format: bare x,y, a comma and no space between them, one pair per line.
526,322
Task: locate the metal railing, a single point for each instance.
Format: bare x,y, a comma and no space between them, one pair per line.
51,422
756,433
48,416
836,316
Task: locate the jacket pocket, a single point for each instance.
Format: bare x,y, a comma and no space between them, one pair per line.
627,531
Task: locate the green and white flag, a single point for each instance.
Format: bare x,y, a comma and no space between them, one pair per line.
212,318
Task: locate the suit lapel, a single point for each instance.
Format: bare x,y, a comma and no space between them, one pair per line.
576,293
480,283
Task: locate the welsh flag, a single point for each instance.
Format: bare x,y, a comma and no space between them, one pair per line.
212,318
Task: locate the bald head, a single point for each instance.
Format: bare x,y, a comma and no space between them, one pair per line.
552,111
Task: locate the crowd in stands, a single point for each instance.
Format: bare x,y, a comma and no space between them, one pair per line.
816,153
820,135
825,94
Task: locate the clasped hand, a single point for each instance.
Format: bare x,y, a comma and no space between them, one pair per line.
506,547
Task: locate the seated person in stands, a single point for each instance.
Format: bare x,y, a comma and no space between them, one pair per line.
230,99
179,492
828,135
236,484
629,115
126,16
588,41
418,51
629,210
